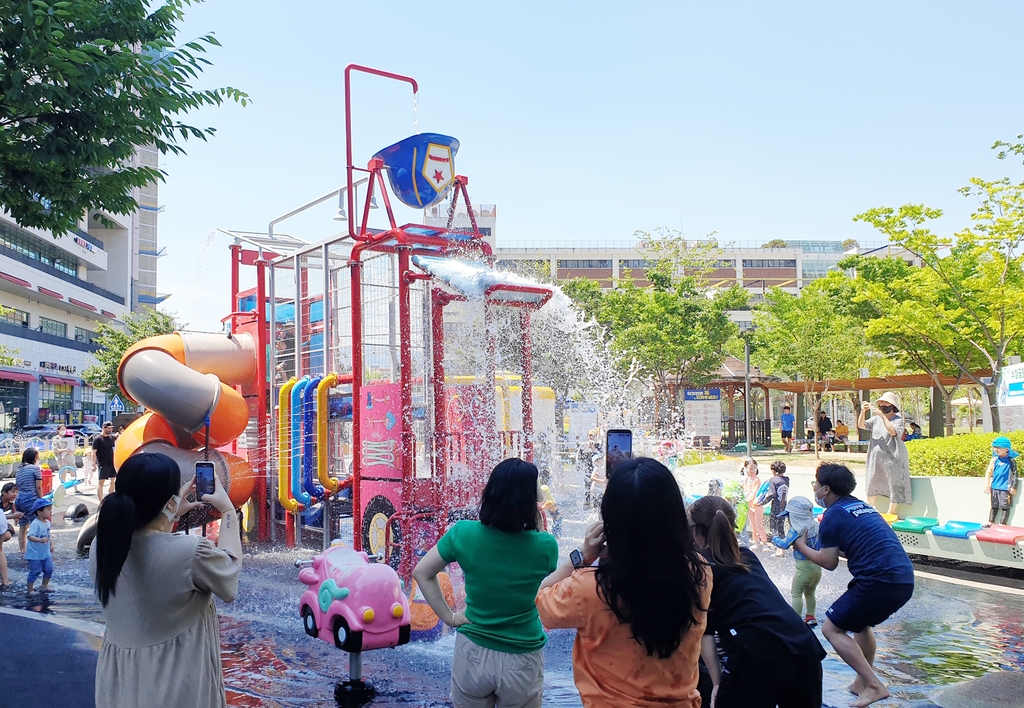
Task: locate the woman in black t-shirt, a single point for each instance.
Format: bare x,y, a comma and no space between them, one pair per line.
771,658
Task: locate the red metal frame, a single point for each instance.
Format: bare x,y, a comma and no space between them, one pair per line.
260,388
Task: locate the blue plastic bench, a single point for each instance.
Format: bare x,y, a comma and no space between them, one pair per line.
956,529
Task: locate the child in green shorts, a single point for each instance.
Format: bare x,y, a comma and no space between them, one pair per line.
805,581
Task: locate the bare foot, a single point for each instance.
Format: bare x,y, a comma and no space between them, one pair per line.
870,695
856,687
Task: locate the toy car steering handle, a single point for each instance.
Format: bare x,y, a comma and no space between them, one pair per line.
379,558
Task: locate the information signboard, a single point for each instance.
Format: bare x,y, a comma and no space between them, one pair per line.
703,410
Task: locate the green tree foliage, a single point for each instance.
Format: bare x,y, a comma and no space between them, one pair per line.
850,243
675,330
804,336
84,84
967,303
775,243
114,340
888,295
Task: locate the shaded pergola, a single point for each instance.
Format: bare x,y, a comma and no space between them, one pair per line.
865,385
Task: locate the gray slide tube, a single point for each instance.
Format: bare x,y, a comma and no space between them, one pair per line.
159,382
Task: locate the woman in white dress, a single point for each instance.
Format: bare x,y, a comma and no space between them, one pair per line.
888,466
162,641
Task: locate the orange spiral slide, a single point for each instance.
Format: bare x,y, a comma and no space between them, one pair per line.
184,379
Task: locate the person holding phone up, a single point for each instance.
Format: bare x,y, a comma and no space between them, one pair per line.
641,608
157,589
887,465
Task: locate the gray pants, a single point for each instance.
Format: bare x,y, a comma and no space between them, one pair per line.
485,678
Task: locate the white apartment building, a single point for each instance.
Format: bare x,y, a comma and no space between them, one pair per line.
56,291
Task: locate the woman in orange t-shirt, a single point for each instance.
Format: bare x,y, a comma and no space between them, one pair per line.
640,611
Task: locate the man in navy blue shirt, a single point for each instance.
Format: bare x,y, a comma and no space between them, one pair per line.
883,577
786,424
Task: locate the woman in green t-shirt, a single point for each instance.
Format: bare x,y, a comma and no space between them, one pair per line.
499,653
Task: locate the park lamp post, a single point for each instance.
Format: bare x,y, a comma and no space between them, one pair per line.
746,329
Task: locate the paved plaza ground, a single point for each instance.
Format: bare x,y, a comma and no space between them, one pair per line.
947,634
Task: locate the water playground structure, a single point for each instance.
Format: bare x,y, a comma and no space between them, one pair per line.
366,376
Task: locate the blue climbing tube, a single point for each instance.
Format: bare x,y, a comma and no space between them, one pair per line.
308,436
297,491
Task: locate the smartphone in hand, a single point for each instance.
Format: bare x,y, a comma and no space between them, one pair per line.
204,479
618,448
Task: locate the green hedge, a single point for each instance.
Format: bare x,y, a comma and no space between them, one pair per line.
957,456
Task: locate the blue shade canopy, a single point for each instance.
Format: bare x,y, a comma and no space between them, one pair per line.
421,169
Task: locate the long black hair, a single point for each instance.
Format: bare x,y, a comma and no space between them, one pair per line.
509,501
143,485
652,575
715,520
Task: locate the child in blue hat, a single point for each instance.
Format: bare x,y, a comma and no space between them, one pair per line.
1001,478
39,552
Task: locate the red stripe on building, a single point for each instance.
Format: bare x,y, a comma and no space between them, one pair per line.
86,305
111,315
16,281
51,293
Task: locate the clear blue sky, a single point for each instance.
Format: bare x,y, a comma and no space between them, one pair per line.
587,121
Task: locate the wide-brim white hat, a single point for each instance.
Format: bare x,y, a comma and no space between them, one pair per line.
891,398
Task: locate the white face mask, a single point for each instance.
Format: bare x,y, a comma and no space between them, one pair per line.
819,496
172,516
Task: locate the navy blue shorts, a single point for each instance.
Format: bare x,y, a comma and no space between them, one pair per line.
867,603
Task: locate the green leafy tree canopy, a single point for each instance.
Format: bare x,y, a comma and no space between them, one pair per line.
968,299
804,336
84,84
114,340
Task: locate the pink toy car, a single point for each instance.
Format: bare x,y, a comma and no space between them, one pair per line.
352,602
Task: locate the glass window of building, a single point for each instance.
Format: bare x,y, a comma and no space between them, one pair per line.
37,249
94,403
15,317
723,263
633,263
84,335
14,397
811,270
56,398
57,329
769,263
592,263
523,266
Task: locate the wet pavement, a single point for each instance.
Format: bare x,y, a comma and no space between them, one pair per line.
947,634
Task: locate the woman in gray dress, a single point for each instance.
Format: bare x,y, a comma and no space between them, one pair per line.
888,467
162,641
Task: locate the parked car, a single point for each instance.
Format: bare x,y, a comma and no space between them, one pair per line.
40,431
85,429
355,603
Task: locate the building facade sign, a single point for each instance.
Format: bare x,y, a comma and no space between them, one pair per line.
54,366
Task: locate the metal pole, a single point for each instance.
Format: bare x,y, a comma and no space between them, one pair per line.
300,292
272,435
746,390
263,377
348,129
328,367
